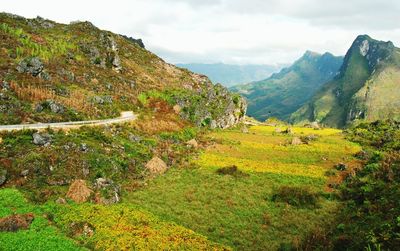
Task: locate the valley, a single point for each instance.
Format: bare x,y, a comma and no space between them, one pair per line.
236,208
106,146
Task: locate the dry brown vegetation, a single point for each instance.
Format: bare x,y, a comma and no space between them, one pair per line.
163,119
76,99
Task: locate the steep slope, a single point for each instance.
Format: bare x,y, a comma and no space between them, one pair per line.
229,75
365,89
58,72
286,91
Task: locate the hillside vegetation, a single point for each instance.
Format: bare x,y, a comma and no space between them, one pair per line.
58,72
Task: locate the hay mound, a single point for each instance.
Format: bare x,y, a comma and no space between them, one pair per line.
79,191
156,166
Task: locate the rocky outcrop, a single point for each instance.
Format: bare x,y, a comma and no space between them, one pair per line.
213,106
33,66
51,105
42,139
139,41
107,191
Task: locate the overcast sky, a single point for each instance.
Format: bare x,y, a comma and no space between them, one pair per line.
229,31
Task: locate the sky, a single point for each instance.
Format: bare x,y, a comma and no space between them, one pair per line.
229,31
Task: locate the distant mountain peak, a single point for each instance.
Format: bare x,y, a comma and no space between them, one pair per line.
364,89
311,54
374,51
286,91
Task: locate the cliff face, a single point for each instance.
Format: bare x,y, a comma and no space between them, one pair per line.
364,89
286,91
91,73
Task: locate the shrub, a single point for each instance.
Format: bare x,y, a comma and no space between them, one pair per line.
296,196
231,170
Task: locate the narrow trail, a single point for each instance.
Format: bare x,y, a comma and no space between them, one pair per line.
125,117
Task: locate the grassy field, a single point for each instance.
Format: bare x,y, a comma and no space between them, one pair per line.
241,210
274,196
97,227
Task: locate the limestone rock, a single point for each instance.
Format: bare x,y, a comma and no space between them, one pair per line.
30,65
107,191
156,166
315,125
177,109
192,143
296,141
79,191
42,139
50,105
24,173
61,201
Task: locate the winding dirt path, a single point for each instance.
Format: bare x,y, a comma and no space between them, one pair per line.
125,117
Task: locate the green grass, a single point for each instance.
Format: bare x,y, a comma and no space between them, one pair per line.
117,227
240,211
40,236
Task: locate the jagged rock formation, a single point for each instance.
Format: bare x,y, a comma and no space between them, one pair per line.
286,91
365,88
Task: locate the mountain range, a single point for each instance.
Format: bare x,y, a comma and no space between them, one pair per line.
365,89
229,74
283,93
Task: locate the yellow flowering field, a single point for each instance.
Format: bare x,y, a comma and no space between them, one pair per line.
263,149
239,208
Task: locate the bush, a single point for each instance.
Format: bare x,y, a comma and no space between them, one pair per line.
231,170
296,196
372,208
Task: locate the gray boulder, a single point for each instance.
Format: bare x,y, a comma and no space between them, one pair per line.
24,173
40,22
5,86
84,147
42,139
31,65
51,105
102,100
56,107
109,191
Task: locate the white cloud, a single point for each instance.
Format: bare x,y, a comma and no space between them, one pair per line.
230,31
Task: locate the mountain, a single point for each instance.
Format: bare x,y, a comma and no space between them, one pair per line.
286,91
56,72
366,87
230,75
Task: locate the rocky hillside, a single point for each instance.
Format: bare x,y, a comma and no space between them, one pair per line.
57,72
365,88
286,91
